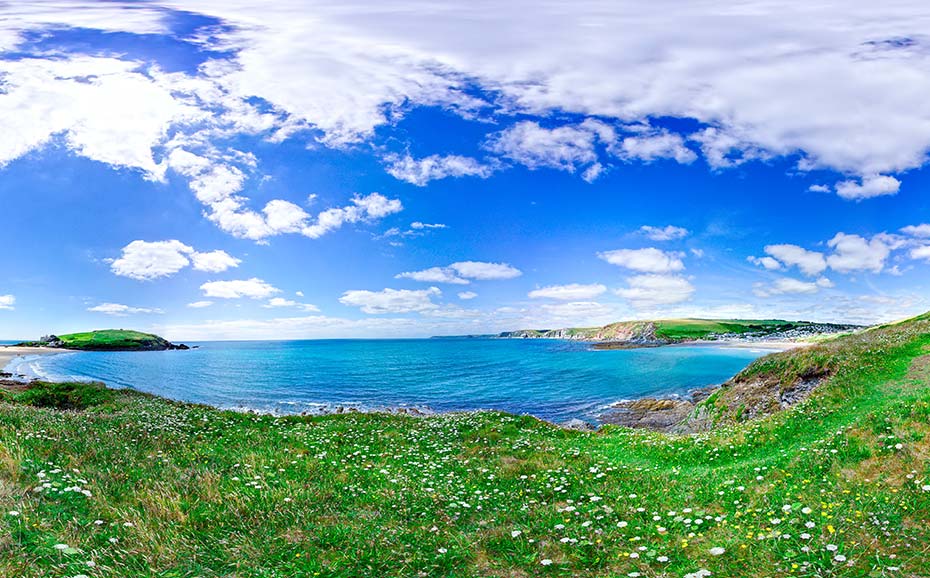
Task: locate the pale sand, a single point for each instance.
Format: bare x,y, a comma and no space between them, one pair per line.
8,354
773,344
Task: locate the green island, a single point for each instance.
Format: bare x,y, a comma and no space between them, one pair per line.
101,482
105,340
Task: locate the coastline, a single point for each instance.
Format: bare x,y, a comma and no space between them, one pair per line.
11,353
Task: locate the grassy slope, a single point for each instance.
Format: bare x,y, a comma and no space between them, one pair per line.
110,339
671,329
832,487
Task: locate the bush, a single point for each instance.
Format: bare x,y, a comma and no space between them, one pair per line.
76,395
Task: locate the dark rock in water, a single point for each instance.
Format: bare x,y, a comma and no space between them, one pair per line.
651,413
181,347
578,424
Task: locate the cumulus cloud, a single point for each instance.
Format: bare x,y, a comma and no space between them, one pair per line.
120,310
922,230
200,304
484,271
646,291
145,260
7,302
420,172
649,260
787,285
651,144
768,263
564,147
276,302
855,253
570,292
462,273
667,233
922,252
868,187
253,288
809,262
391,300
466,295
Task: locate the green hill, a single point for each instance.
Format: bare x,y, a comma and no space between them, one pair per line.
836,485
664,331
107,340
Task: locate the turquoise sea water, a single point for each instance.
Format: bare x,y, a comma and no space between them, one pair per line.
554,380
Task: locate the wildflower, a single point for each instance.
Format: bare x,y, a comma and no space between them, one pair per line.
832,547
926,487
839,558
717,551
61,546
662,559
442,550
546,562
515,533
13,513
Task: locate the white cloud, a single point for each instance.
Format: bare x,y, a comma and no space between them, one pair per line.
391,300
571,292
855,253
466,295
654,144
276,302
120,310
767,262
483,271
339,72
787,285
647,291
7,302
650,260
528,143
667,233
420,172
417,225
922,230
461,273
214,261
253,288
434,275
922,252
809,262
370,207
819,189
200,304
868,187
144,260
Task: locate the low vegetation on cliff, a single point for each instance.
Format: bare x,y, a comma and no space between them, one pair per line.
836,485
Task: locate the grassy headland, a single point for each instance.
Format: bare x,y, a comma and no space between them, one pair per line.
665,331
132,485
105,340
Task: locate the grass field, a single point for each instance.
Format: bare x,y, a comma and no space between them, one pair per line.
132,485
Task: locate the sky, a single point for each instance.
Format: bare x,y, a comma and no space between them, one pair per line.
306,169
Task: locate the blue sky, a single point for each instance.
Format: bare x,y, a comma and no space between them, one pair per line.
212,170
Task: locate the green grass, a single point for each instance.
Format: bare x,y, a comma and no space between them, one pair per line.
839,485
110,339
687,329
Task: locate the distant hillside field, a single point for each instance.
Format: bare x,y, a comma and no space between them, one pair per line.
664,331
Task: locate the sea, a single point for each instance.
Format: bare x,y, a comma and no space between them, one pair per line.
550,379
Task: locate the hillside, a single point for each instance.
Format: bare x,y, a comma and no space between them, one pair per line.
836,485
666,331
106,340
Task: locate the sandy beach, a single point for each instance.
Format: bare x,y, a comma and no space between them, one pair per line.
8,354
774,345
